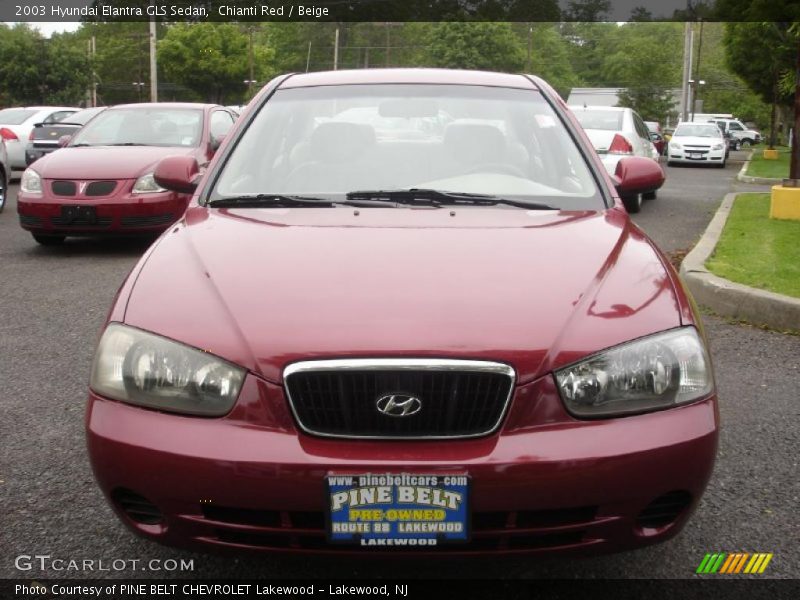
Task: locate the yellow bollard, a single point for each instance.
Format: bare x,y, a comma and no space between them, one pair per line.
770,154
785,203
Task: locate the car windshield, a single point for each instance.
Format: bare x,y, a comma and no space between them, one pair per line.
82,116
697,131
333,140
15,116
609,120
140,126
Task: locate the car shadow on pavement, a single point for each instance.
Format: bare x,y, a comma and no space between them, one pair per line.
96,246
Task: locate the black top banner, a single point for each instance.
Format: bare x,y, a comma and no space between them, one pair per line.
400,10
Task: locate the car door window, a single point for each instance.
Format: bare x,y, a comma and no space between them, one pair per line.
735,127
221,122
641,128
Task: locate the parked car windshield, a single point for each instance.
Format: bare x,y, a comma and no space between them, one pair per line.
152,126
610,120
331,140
82,116
15,116
693,130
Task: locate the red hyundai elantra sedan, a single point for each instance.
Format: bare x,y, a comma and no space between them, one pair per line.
101,183
405,311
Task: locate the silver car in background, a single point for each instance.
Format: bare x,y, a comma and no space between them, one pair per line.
16,125
615,133
697,143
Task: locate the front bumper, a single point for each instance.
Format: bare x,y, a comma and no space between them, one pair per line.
696,156
121,213
546,483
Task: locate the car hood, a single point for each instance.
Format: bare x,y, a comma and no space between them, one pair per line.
105,162
534,289
691,140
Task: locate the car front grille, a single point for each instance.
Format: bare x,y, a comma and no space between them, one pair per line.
148,221
81,222
64,188
93,188
100,188
30,221
448,398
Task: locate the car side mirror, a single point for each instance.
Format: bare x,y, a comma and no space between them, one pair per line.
654,137
216,142
636,175
178,173
64,140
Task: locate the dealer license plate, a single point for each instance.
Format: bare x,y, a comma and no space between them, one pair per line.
397,509
694,155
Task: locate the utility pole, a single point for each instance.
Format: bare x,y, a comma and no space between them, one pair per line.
94,72
336,50
308,56
688,41
153,65
530,48
250,81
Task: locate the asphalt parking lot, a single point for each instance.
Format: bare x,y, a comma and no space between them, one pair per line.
54,300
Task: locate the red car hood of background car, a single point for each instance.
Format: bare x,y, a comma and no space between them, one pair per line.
104,162
267,287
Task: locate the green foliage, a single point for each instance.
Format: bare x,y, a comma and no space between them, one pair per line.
549,56
724,91
642,58
34,70
488,46
211,59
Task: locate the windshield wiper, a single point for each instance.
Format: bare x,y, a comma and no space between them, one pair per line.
127,144
429,197
279,200
81,145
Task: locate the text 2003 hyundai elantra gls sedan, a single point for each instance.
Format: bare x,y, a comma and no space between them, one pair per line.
425,325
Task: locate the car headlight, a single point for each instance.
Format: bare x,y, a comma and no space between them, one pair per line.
30,182
141,368
717,146
652,373
146,184
675,145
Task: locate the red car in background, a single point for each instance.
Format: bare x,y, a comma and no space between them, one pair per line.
406,310
101,182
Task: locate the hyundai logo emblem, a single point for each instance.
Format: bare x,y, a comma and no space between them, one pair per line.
398,405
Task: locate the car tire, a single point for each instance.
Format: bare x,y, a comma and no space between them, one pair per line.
49,240
721,165
3,190
633,204
650,195
746,143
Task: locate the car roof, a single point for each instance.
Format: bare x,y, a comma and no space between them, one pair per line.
41,108
411,76
164,105
607,108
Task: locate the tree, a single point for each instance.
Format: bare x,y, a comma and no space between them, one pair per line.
35,70
755,53
775,46
587,10
460,45
549,55
645,59
211,59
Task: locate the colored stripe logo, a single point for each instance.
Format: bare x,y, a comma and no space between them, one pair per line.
734,563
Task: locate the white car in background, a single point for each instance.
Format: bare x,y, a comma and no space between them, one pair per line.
615,133
16,125
697,143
